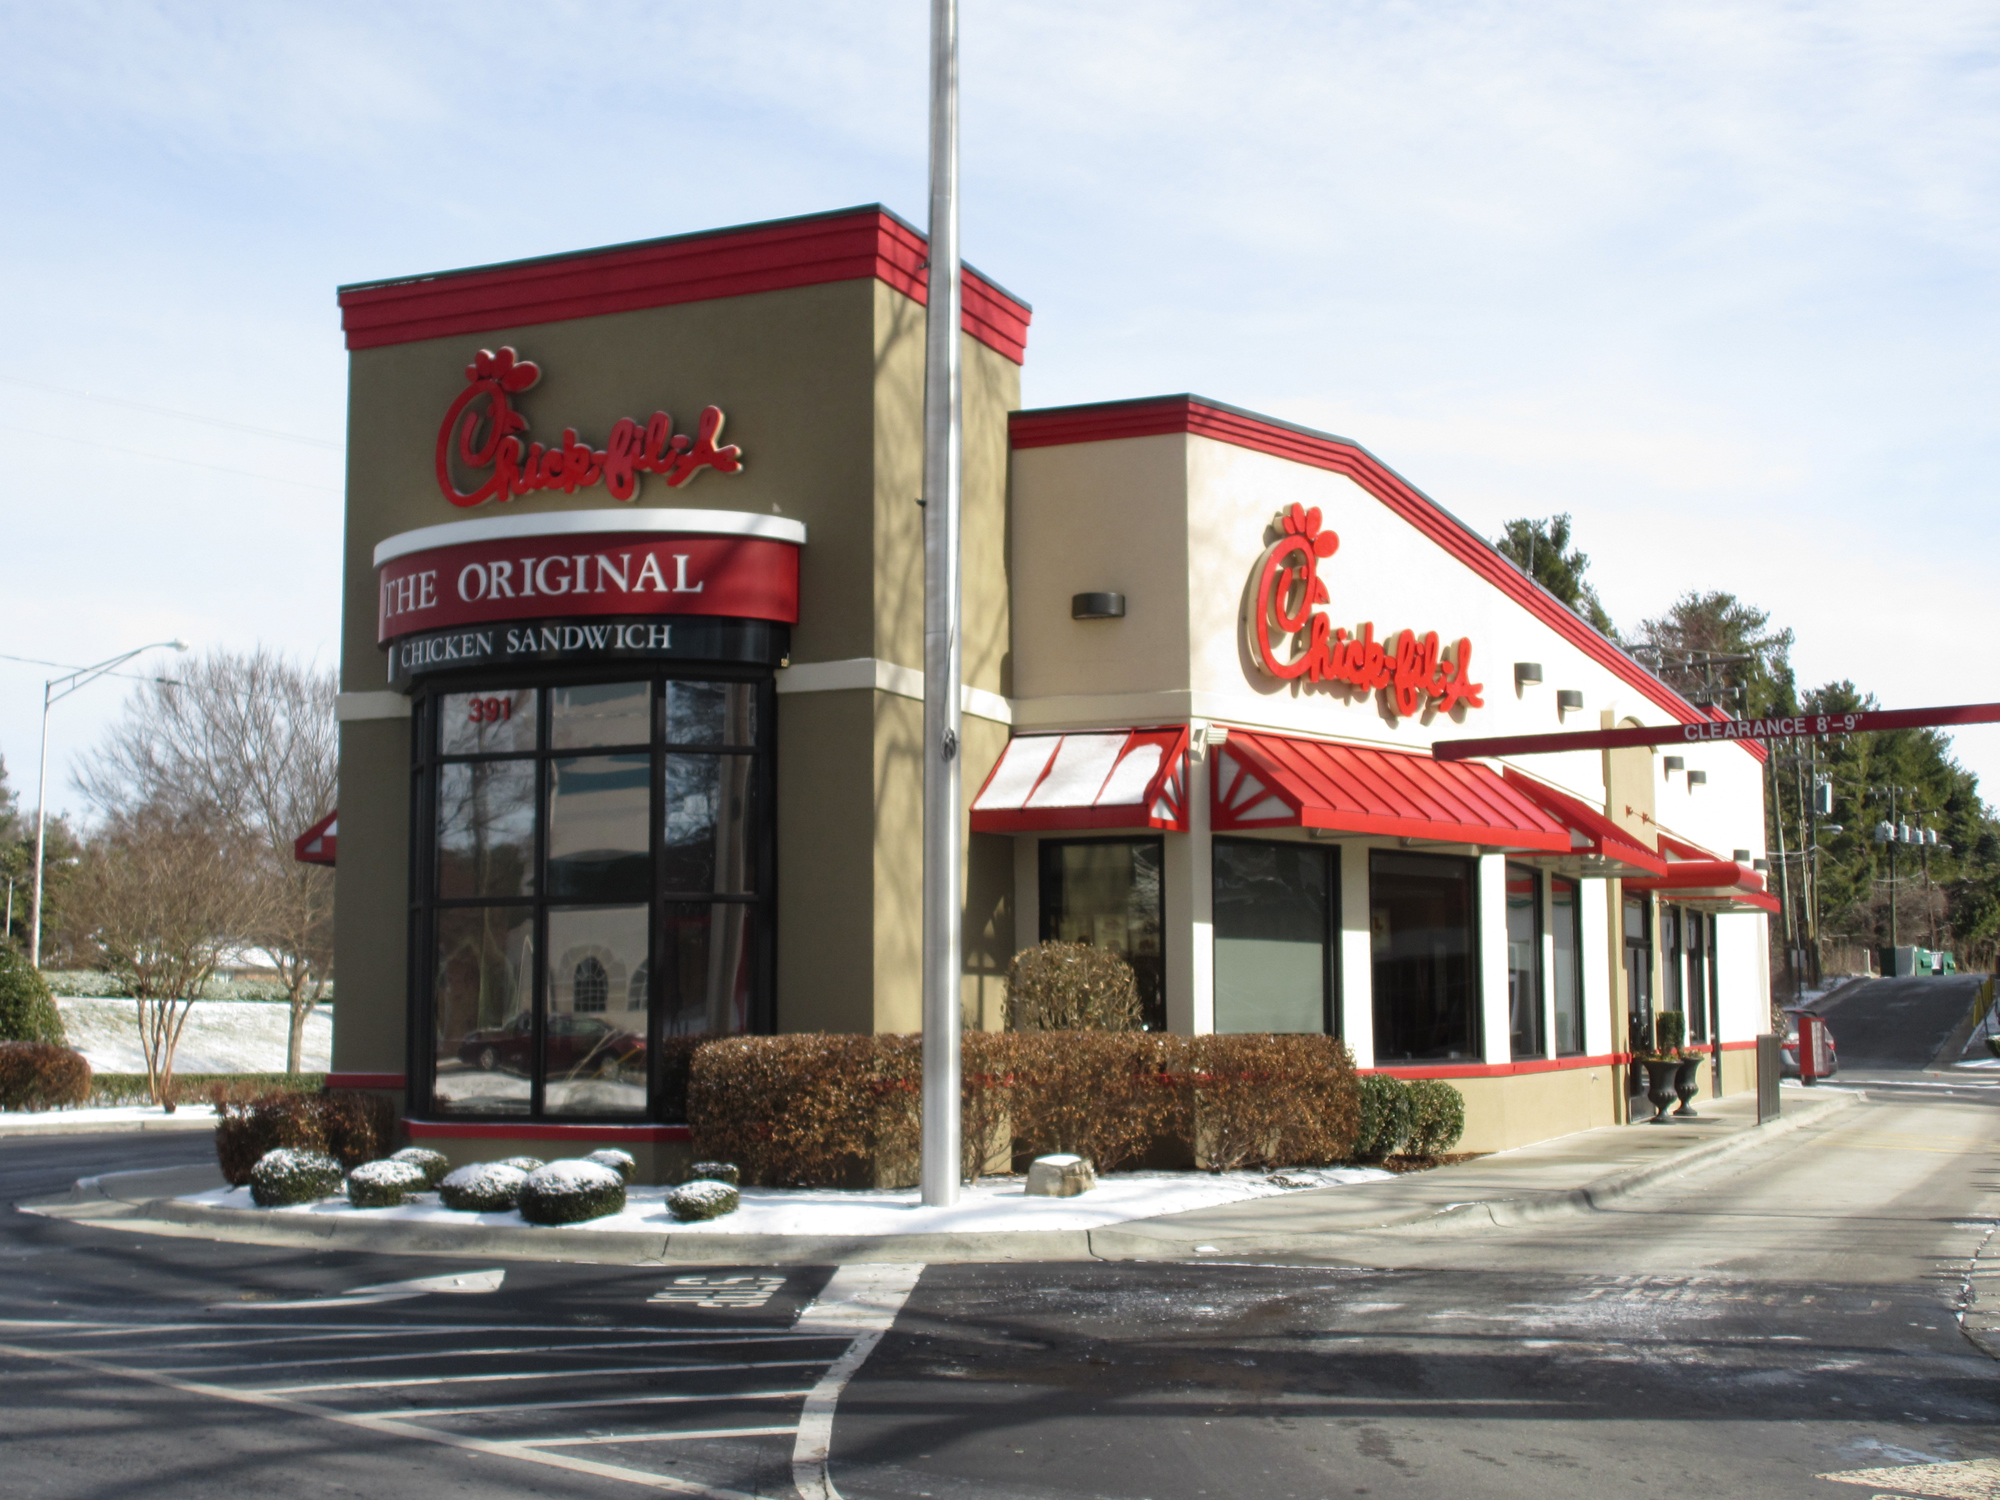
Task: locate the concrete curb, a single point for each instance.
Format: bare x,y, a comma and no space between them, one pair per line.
150,1201
58,1126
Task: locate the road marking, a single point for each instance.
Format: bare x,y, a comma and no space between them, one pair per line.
663,1437
720,1291
464,1284
1977,1479
377,1359
386,1424
653,1369
477,1411
862,1300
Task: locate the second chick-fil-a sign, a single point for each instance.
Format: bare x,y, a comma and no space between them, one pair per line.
481,439
1292,638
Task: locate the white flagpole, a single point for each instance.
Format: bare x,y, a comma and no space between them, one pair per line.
942,843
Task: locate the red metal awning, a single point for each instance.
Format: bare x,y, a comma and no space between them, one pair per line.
1695,877
1276,781
1598,846
1119,778
316,845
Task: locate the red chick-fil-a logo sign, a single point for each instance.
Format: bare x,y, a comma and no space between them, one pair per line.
1292,639
482,432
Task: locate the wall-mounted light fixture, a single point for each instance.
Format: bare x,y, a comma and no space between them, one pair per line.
1741,856
1569,698
1760,864
1697,778
1527,673
1673,763
1105,606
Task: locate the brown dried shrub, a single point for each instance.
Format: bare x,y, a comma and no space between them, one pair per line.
790,1111
1104,1095
1272,1100
37,1075
1072,987
351,1126
987,1078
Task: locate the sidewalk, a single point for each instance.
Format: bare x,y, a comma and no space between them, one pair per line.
1572,1175
95,1121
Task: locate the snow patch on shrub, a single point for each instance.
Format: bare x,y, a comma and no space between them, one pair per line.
382,1184
569,1192
715,1171
284,1176
433,1164
522,1163
490,1187
620,1162
705,1199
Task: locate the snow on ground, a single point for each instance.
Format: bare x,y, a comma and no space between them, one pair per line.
109,1116
221,1036
994,1204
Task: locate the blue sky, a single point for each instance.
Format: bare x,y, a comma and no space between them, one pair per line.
1718,279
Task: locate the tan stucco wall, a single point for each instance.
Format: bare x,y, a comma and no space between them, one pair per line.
371,911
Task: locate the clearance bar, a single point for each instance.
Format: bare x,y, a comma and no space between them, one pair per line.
1794,726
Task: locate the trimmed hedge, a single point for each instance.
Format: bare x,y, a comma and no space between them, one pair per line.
489,1187
433,1164
706,1199
1437,1117
815,1110
382,1184
571,1192
524,1163
620,1162
37,1076
28,1012
283,1176
1385,1117
1408,1117
1072,987
353,1127
715,1171
108,1089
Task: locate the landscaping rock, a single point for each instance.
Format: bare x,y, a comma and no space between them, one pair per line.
433,1164
382,1184
705,1199
619,1161
283,1177
491,1187
1060,1177
569,1192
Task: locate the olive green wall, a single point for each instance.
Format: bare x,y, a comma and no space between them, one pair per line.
823,389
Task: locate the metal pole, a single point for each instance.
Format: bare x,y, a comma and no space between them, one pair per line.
41,828
942,842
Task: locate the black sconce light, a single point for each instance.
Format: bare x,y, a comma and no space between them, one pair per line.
1105,606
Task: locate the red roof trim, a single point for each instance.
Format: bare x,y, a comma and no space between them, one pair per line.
1611,841
1365,790
1167,786
319,843
1195,415
540,1130
847,245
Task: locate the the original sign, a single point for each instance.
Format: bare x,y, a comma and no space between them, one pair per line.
480,440
693,638
620,573
1291,638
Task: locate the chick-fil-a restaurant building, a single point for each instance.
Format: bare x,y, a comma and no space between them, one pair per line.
632,688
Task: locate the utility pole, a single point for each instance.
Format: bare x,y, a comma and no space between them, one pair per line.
940,1166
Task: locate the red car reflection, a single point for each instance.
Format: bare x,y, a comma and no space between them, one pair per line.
574,1045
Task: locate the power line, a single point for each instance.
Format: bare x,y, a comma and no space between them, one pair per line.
168,411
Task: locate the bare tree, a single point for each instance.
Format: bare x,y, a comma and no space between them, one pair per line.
250,741
161,894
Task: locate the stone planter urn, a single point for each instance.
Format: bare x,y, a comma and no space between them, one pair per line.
1687,1086
1660,1087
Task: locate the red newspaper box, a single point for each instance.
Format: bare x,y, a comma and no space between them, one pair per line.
1814,1064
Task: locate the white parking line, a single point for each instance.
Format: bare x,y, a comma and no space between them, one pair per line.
648,1369
864,1301
686,1435
476,1411
415,1354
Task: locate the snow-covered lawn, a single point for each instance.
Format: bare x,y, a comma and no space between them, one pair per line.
222,1036
995,1204
110,1117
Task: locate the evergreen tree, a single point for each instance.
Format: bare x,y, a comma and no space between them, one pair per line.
1542,550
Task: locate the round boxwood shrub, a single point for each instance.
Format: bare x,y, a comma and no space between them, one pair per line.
433,1164
27,1011
1437,1117
569,1192
491,1187
619,1161
285,1176
1387,1106
715,1171
705,1199
382,1184
522,1163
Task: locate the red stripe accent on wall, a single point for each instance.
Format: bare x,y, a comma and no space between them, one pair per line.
1158,416
540,1130
1499,1070
847,245
364,1080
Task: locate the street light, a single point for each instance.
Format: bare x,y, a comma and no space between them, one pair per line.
81,677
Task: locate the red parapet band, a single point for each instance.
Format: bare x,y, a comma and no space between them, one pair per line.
365,1080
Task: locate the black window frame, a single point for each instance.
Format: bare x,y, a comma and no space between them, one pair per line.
1637,955
1047,874
1330,978
425,905
1569,1046
1476,1049
1538,906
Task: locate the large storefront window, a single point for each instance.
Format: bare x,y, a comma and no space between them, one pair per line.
1276,918
1422,922
1699,946
1108,892
594,868
1566,975
1638,980
1524,960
